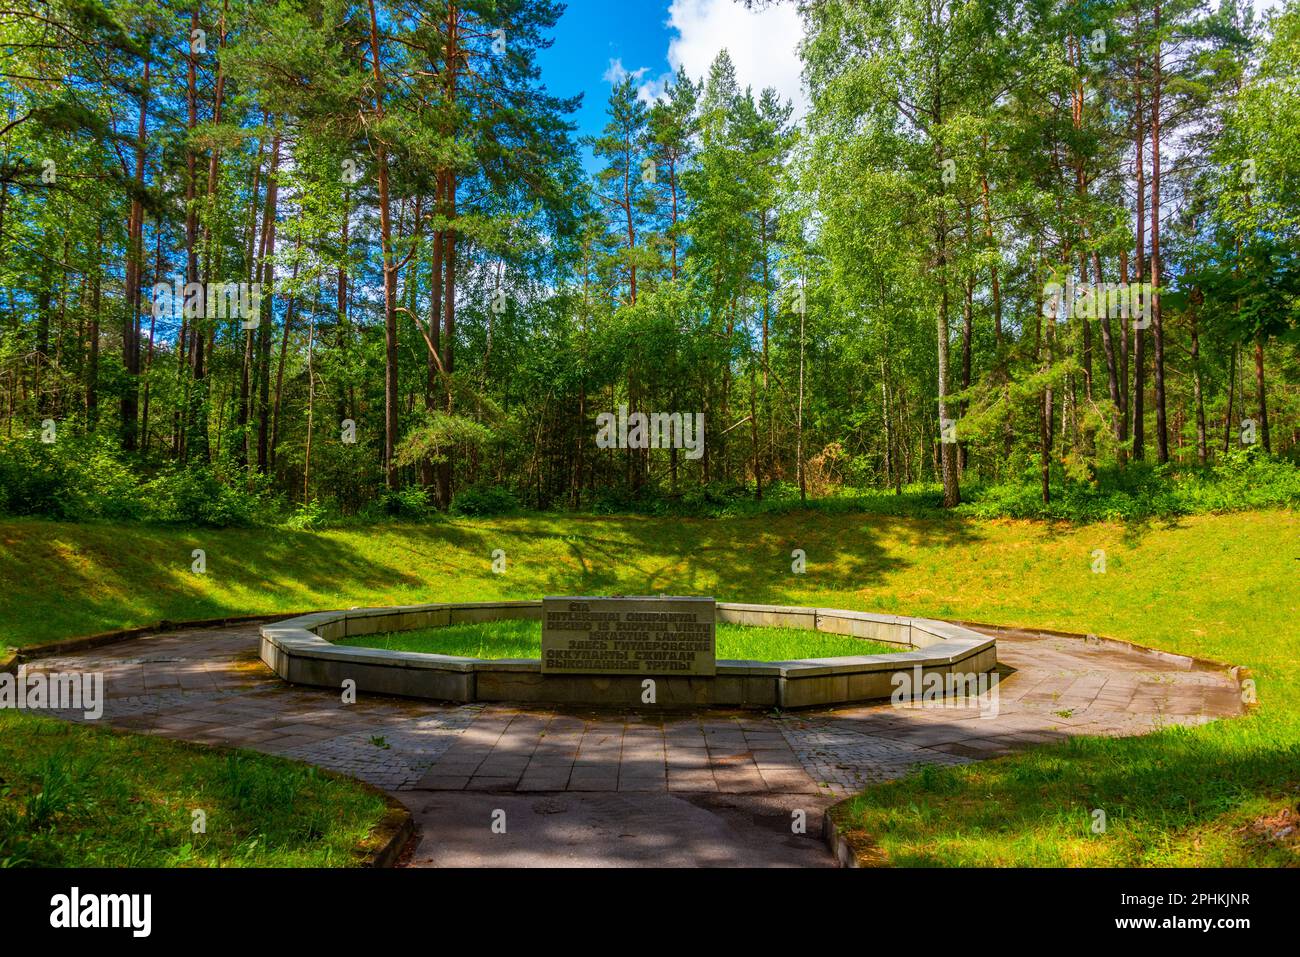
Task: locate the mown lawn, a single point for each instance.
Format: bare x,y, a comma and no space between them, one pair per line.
523,639
1225,587
82,796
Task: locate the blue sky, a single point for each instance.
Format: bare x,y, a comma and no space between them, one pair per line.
653,37
594,39
593,32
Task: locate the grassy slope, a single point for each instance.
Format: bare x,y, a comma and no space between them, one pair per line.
1222,587
523,639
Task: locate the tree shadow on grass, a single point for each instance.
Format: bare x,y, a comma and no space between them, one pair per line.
78,579
1163,794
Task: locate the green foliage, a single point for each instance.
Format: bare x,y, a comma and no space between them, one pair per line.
83,477
347,476
439,435
808,274
485,499
411,503
307,516
54,481
75,477
196,496
1239,481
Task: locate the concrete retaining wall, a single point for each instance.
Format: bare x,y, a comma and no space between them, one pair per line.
301,651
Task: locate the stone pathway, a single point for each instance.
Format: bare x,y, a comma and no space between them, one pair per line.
710,788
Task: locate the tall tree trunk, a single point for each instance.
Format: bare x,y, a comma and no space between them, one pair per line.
1043,346
247,382
968,311
182,421
1232,390
1108,348
947,450
631,227
1157,323
428,472
1081,190
1202,438
289,310
266,316
448,331
390,269
92,364
1124,393
803,477
891,467
753,431
311,404
1261,396
44,305
197,413
341,334
134,271
1139,340
993,268
148,362
449,250
767,301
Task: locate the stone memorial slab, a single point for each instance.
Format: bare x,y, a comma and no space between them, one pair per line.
629,636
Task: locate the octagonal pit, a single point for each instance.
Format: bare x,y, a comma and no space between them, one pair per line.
301,651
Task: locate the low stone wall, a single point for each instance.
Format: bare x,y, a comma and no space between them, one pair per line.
301,651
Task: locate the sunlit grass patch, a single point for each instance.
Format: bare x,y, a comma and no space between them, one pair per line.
81,796
523,639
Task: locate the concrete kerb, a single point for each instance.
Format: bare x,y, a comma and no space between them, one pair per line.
90,642
301,651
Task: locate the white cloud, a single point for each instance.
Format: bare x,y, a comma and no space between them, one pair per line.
647,91
763,43
617,73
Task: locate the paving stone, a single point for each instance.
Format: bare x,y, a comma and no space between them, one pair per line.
197,685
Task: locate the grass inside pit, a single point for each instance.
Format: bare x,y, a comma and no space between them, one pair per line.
523,639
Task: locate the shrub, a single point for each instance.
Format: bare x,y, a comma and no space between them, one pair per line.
76,477
410,503
33,478
195,496
485,499
308,516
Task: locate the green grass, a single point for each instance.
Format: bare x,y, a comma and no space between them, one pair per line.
1225,587
523,639
75,795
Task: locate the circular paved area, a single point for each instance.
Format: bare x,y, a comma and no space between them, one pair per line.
601,788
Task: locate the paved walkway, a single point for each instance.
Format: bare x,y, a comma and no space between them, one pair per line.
586,787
